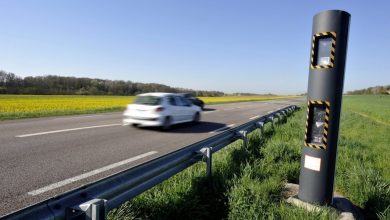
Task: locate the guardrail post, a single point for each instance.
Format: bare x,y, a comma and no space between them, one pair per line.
207,157
271,119
260,125
284,113
280,117
94,209
244,136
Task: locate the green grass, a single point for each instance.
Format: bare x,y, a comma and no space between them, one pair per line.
34,106
247,181
363,167
246,184
375,107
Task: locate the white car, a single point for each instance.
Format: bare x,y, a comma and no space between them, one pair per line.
160,109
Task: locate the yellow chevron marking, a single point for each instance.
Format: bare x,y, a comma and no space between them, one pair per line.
315,146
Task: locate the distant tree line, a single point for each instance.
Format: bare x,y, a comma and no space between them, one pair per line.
376,90
60,85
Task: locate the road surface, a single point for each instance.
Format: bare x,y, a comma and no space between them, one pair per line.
44,157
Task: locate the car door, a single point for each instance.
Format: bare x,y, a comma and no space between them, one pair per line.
173,109
188,112
181,108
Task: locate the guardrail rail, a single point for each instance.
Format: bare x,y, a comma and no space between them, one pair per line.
94,200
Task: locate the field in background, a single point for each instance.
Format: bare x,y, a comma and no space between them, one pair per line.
32,106
363,172
373,107
247,182
229,99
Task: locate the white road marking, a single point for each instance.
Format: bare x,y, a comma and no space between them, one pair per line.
228,109
76,117
257,116
86,175
208,112
270,112
65,130
223,128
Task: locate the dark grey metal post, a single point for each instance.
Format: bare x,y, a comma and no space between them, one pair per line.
326,80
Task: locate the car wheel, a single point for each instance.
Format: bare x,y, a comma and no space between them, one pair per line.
166,123
196,118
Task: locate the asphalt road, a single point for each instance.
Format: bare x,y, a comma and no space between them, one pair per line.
41,158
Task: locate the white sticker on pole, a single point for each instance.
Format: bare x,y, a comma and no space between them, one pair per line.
312,163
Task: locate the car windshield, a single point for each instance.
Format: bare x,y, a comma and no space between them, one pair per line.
148,100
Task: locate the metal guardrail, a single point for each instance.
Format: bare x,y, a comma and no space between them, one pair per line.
94,200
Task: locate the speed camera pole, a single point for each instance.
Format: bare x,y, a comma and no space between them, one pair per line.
326,79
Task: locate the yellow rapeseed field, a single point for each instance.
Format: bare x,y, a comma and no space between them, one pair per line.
31,106
28,106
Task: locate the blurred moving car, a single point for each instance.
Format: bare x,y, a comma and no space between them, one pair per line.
160,109
193,99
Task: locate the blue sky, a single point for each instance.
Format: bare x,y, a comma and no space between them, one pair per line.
230,46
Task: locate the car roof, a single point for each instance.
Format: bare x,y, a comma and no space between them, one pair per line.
185,94
158,94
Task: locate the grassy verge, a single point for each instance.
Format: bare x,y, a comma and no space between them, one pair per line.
374,107
247,181
363,167
34,106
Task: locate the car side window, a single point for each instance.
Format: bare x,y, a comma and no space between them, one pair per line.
185,101
179,101
171,100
